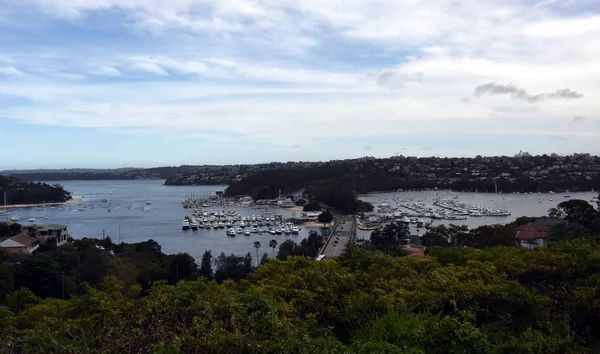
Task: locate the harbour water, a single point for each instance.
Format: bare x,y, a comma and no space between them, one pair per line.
535,204
131,219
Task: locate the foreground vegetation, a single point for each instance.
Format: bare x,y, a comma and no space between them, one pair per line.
19,192
459,300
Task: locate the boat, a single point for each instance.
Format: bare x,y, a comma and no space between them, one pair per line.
240,230
194,225
278,231
255,230
246,233
46,217
14,218
295,230
272,232
185,224
32,219
231,232
148,203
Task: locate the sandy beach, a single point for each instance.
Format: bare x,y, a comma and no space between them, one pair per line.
316,224
296,208
18,206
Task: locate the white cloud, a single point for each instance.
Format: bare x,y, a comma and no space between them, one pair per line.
10,71
150,67
282,70
107,70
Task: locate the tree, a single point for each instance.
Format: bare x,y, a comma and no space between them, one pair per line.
248,264
22,299
273,244
390,237
445,236
6,282
265,258
182,266
40,274
574,211
257,246
232,267
286,249
325,217
312,206
206,265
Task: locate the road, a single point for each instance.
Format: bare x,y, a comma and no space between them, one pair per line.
345,230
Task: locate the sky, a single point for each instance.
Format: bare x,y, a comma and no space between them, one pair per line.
115,83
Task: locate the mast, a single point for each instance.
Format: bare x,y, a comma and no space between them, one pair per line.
5,208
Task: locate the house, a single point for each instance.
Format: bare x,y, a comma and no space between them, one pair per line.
311,215
533,235
54,234
19,244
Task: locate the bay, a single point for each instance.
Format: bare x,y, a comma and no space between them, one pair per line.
161,220
135,221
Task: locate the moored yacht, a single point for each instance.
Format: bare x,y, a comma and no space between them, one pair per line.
185,224
295,230
194,225
14,218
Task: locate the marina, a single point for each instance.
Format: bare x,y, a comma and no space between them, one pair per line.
139,210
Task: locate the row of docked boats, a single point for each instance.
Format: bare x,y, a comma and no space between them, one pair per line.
467,209
285,229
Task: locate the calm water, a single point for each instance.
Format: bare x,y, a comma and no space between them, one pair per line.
518,204
160,221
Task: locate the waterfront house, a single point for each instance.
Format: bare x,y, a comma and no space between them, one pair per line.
54,234
19,244
311,215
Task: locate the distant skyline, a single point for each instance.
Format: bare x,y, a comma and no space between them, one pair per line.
117,83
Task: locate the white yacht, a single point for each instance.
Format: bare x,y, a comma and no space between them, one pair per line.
240,230
194,225
295,230
246,233
185,224
14,218
32,219
231,232
255,230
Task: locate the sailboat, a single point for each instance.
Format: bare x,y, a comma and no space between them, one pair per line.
567,195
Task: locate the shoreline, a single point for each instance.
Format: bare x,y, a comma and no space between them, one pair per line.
22,206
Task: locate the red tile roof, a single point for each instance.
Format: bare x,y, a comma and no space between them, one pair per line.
23,239
533,227
531,235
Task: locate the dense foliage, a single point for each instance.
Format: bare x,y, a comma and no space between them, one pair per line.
460,300
19,192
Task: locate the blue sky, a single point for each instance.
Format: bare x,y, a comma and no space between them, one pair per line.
113,83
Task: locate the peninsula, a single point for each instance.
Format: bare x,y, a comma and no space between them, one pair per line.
24,194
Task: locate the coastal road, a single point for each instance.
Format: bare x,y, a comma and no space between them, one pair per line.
344,232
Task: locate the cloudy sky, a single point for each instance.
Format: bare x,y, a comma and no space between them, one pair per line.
112,83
